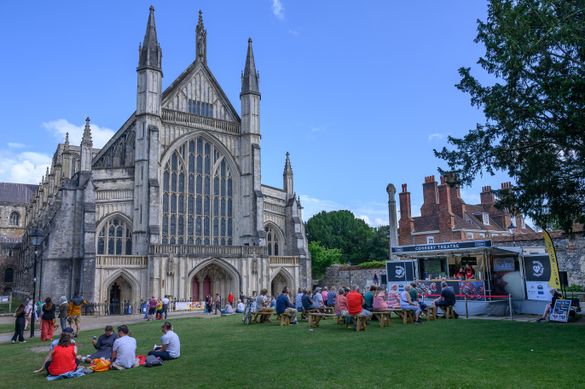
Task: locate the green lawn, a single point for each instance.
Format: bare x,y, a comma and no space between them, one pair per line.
446,353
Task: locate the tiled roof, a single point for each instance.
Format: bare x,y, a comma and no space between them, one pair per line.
16,193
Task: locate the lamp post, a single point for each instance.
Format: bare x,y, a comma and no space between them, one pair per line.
35,240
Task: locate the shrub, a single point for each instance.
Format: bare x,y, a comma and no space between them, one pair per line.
372,264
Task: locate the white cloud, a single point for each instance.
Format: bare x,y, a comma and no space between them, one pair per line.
15,145
374,214
59,127
278,9
25,167
294,32
437,136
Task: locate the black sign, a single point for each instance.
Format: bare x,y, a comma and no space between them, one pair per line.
537,268
400,271
471,244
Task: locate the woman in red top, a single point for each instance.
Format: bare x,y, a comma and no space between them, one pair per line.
63,357
469,272
48,320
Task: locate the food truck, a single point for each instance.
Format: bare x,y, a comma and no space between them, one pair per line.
487,279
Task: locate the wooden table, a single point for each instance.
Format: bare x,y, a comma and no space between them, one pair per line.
315,318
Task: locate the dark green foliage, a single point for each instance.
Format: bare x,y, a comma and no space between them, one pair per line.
372,264
535,110
322,258
341,230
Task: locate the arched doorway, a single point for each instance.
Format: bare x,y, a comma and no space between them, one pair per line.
213,279
119,295
279,282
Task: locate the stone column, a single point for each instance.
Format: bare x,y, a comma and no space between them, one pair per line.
393,230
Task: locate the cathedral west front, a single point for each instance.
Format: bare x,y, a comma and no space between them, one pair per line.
173,204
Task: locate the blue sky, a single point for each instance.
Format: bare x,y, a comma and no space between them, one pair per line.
359,92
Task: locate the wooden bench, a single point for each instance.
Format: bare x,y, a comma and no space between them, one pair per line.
383,317
285,319
262,316
449,312
361,322
430,312
315,318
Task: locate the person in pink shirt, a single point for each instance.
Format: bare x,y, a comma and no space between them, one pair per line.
341,303
394,298
324,293
380,303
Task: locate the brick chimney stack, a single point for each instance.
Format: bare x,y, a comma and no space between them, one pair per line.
446,216
507,217
457,203
405,224
487,196
430,196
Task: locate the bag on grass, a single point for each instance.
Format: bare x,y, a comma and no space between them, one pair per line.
100,364
151,361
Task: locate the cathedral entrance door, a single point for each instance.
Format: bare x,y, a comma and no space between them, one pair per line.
120,296
213,279
114,299
278,283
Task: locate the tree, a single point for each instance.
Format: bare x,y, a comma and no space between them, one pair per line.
534,125
377,248
341,230
322,258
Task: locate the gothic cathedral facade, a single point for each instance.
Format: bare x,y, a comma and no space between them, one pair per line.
173,204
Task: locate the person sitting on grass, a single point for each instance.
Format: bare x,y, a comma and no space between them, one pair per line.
447,299
240,307
555,296
103,345
170,345
124,350
407,304
63,358
355,303
227,310
380,303
393,298
369,298
285,307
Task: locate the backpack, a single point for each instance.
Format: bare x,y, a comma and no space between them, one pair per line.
151,361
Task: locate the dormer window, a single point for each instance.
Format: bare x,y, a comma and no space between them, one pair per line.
485,217
430,239
200,108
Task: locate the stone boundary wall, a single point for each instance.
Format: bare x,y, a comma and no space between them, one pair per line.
337,276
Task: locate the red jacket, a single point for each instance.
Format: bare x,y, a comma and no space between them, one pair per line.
355,300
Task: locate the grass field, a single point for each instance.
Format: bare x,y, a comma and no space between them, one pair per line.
443,354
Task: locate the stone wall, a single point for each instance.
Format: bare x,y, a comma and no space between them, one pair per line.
337,276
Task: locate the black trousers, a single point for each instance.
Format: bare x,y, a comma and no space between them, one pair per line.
18,330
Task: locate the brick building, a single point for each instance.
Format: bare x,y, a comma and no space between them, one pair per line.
13,199
445,217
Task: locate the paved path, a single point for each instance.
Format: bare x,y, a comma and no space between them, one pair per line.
99,322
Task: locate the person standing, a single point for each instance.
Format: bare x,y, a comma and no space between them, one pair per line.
166,302
63,308
170,347
74,312
48,320
28,313
19,325
231,299
217,304
124,350
151,307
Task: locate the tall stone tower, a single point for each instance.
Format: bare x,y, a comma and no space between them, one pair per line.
148,123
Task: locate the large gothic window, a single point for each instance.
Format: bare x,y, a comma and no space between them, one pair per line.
14,218
273,240
115,238
197,196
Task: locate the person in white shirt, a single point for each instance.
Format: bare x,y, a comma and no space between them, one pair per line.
240,307
124,350
165,308
170,347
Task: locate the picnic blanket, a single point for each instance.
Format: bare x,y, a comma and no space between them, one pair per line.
72,374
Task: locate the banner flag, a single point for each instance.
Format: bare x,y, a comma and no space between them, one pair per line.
554,281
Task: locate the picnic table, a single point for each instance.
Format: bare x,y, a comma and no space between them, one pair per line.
262,316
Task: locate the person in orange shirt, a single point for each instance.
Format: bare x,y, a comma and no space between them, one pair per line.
74,312
355,302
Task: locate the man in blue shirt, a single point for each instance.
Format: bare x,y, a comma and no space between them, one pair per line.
331,296
285,307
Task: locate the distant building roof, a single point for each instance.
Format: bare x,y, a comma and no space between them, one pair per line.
16,193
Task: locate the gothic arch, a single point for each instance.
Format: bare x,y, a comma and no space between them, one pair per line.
126,276
101,241
223,265
275,241
281,278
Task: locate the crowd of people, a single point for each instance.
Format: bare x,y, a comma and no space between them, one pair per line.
113,350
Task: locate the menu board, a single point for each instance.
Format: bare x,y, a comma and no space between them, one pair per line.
537,276
504,264
561,311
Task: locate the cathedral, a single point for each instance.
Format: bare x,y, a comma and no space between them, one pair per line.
173,204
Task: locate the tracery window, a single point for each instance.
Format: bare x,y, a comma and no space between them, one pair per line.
14,218
197,199
272,240
115,238
9,275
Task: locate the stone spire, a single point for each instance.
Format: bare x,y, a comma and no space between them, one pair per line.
287,176
150,51
201,40
86,138
86,148
66,144
250,77
393,225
